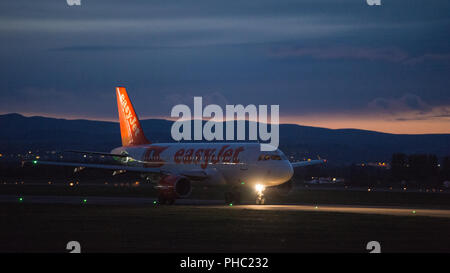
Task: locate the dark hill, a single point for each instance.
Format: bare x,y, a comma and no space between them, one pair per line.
19,134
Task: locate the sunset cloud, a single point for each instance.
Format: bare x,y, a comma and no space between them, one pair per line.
331,53
408,107
336,64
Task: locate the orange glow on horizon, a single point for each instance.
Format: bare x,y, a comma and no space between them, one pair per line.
426,126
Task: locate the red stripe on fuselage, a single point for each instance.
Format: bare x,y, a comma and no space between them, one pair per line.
203,156
207,155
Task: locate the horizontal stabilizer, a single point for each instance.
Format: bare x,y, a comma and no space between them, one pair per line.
307,163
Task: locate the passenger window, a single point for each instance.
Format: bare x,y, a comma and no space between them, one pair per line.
276,157
267,157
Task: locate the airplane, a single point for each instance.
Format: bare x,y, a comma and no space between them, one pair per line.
174,167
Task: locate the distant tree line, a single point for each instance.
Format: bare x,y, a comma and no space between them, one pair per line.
419,169
414,170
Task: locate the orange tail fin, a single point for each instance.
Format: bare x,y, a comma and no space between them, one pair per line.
130,128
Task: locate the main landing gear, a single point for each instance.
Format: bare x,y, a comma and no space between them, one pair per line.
233,197
164,200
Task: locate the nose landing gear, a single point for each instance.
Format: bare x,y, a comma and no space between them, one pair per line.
260,199
165,200
234,196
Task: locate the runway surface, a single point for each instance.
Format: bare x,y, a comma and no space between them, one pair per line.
219,204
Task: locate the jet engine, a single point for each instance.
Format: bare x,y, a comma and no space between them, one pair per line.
172,187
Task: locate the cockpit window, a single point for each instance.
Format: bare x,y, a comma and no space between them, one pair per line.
275,157
269,157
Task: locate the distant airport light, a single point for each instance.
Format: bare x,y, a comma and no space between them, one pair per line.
34,161
368,189
84,201
20,199
71,184
414,212
231,204
154,202
242,183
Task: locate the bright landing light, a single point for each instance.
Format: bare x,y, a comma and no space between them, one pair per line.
259,187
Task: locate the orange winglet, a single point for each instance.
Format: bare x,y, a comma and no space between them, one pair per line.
130,127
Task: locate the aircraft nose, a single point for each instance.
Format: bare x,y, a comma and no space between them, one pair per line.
289,171
286,171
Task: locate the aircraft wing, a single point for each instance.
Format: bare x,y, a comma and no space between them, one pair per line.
307,163
98,166
96,153
193,174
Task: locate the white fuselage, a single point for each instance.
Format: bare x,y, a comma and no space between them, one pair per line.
233,163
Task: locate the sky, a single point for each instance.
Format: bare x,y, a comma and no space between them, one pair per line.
327,63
